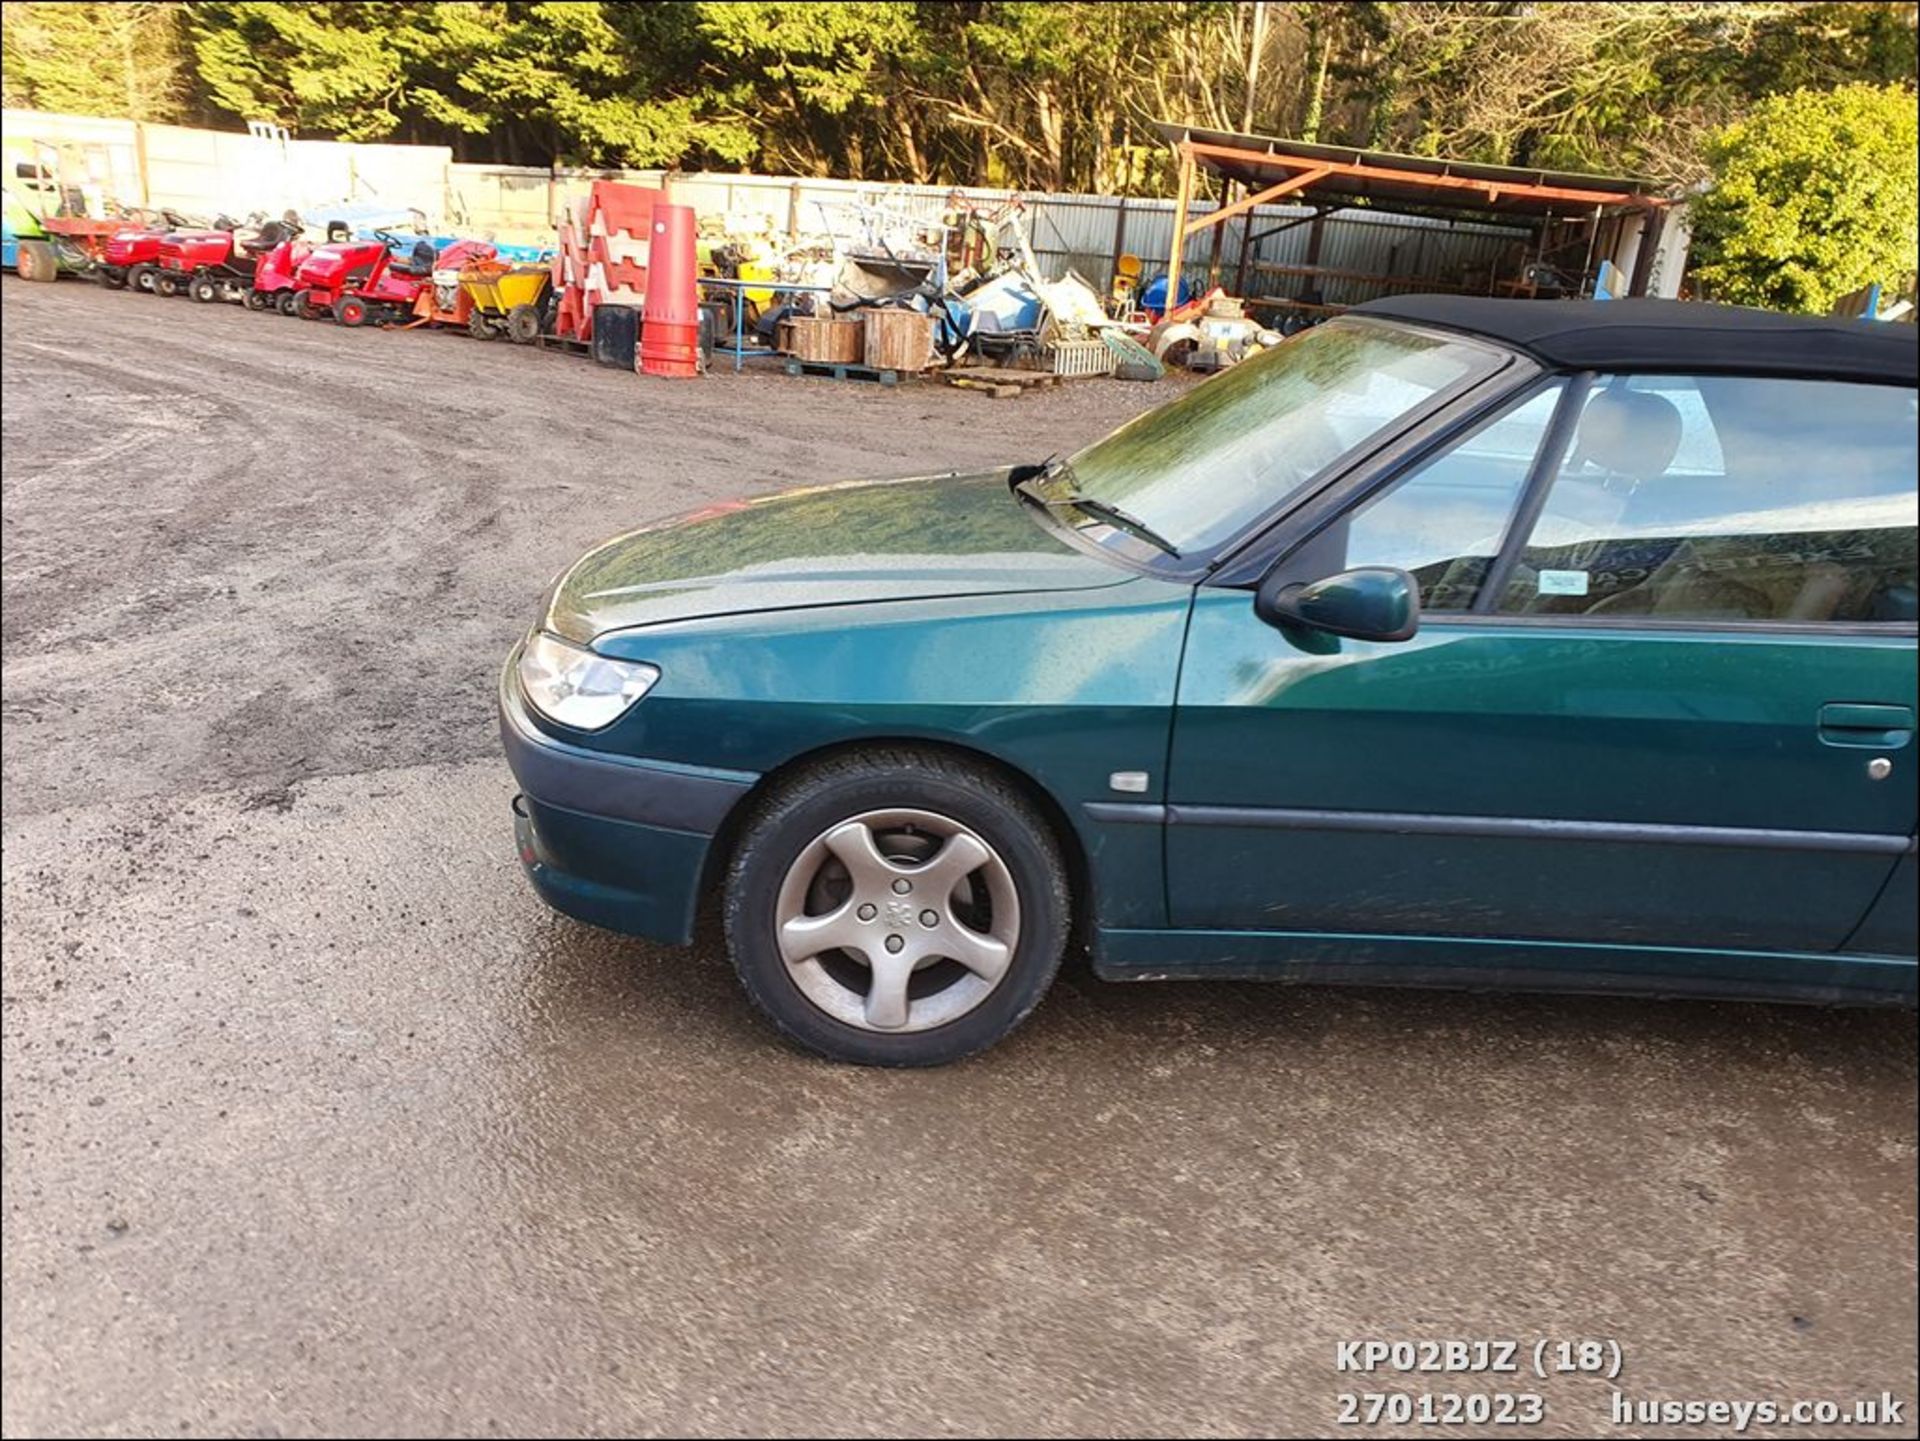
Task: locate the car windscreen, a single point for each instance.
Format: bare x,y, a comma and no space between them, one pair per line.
1199,470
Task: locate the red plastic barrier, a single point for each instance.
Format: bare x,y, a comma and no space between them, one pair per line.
670,334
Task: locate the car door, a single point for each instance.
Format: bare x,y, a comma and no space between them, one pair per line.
1661,695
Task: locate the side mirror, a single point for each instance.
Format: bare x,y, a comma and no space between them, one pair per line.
1370,602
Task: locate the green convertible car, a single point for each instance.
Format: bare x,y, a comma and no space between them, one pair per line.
1453,642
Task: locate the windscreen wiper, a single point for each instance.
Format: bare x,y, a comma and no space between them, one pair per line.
1102,510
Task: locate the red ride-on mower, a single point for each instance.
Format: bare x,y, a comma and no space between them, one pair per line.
217,264
274,286
363,282
183,252
132,253
333,270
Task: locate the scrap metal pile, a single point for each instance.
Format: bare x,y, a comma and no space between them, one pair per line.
877,288
991,314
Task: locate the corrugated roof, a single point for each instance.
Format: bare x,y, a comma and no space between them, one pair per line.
1387,178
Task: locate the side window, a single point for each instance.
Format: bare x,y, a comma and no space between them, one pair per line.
1727,498
1443,521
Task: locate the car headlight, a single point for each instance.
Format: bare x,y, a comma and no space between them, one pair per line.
578,688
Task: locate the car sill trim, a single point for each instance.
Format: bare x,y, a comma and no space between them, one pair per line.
1499,827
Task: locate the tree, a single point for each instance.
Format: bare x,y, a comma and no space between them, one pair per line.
337,69
126,61
527,82
1814,196
1007,92
811,82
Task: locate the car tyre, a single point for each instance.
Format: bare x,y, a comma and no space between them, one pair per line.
930,817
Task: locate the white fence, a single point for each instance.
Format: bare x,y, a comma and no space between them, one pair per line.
208,172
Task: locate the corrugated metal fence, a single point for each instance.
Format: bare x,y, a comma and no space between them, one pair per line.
1080,232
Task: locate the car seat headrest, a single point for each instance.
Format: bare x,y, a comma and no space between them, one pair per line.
1630,432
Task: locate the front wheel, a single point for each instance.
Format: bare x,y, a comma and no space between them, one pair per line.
897,908
166,283
288,303
350,310
204,288
479,326
258,300
37,261
142,278
113,277
523,324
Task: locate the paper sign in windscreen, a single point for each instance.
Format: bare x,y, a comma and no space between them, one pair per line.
1563,582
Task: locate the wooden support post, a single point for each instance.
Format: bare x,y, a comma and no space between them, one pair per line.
140,163
1119,242
1652,226
1246,255
1183,194
1271,193
1213,257
1316,231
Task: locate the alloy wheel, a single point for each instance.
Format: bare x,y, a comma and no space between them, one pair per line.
897,920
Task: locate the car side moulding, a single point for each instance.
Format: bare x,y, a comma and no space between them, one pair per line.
1504,827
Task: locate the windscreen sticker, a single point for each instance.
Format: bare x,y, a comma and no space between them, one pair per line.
1563,582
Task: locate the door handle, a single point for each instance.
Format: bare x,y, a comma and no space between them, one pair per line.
1874,727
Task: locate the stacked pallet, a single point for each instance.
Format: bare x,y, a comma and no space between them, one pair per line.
602,254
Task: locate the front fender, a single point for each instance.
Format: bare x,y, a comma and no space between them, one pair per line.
1065,688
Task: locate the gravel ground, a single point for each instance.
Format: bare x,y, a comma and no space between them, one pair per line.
317,1122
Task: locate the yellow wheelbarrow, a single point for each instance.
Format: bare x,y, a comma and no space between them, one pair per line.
508,300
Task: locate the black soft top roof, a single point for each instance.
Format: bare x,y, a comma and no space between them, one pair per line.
1672,335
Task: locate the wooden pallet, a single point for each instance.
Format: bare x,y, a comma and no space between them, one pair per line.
1000,384
834,370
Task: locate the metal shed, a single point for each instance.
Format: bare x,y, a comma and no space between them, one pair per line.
1575,221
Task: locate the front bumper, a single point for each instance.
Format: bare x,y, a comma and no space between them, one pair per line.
612,840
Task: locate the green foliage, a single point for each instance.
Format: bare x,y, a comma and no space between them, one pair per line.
118,60
331,68
1814,196
1014,92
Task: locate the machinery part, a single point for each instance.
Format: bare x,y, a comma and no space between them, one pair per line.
38,261
258,300
113,277
896,908
1136,362
204,288
165,282
479,327
304,307
142,277
1174,344
523,324
350,310
288,302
